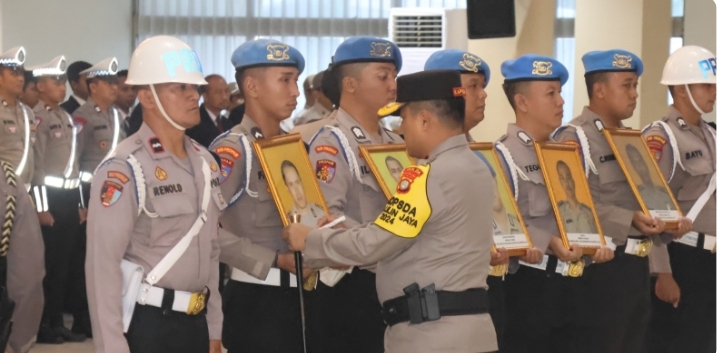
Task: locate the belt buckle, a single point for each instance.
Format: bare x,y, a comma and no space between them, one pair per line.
197,303
311,282
575,268
643,248
499,270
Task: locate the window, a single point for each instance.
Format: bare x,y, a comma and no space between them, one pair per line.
676,41
565,50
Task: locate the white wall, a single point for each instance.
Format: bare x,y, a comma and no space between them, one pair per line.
701,29
89,30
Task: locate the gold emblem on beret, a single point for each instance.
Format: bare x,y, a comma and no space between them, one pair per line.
380,50
542,68
470,62
622,61
278,52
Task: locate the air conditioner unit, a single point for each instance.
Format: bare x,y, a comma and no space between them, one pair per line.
419,32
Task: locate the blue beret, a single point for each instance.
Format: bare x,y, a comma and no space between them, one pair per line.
612,60
266,52
532,67
454,59
367,49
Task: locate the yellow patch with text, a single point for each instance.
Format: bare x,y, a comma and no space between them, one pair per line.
409,209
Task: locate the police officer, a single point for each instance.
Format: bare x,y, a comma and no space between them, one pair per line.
539,298
22,245
684,292
18,130
432,241
55,178
329,88
158,188
78,83
615,296
260,315
365,69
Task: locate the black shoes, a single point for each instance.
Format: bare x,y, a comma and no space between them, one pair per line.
68,335
46,335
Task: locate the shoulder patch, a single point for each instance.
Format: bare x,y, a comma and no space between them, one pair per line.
326,149
407,212
325,170
226,167
156,146
358,133
110,193
228,151
656,144
118,175
79,123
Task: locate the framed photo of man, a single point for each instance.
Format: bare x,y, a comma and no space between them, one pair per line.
291,178
508,228
643,174
387,163
570,195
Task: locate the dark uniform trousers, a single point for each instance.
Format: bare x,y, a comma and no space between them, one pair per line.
60,250
496,297
155,330
615,308
77,302
349,316
541,306
691,327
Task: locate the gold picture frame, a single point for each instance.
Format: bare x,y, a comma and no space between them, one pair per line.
386,161
278,156
570,196
504,196
644,171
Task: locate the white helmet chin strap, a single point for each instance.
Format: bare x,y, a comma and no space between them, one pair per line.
164,114
692,100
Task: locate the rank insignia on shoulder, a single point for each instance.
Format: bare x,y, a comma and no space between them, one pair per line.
160,173
257,134
156,146
599,125
325,170
524,137
358,133
110,193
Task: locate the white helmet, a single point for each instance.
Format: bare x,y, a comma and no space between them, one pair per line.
164,59
689,65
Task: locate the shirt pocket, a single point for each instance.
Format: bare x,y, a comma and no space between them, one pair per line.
102,133
168,227
265,212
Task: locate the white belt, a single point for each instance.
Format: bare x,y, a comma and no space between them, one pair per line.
544,263
691,239
85,177
273,278
153,296
62,183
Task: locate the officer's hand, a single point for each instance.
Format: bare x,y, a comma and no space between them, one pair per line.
83,214
685,225
532,256
295,235
667,289
647,225
604,254
46,219
286,262
328,219
575,253
215,346
499,257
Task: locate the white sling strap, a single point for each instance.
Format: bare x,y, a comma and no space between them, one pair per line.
703,199
515,171
26,148
70,162
585,149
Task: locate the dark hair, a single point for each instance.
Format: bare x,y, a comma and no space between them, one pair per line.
330,86
592,78
29,78
352,69
287,164
511,89
74,70
122,73
451,111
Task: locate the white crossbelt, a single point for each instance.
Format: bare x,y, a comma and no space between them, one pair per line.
703,199
153,296
272,279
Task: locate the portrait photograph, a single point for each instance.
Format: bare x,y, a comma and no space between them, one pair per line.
508,228
643,173
570,195
291,179
387,162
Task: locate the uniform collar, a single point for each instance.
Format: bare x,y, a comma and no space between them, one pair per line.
590,117
154,147
521,135
357,131
451,143
248,127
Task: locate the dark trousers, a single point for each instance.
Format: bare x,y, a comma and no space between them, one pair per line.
261,319
349,316
691,327
540,311
76,302
615,306
151,331
60,250
496,297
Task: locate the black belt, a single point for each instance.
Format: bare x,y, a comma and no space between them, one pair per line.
418,306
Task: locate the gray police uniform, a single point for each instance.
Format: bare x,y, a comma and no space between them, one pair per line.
119,227
577,221
451,250
309,130
350,311
686,156
260,316
25,264
99,132
17,137
616,298
311,216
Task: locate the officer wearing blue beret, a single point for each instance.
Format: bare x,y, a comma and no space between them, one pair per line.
538,298
260,315
616,295
364,69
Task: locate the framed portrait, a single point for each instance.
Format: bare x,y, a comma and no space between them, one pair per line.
387,163
508,227
291,178
643,174
570,195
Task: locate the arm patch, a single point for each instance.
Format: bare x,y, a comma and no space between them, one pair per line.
409,209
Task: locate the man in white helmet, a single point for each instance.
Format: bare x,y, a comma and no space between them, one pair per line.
154,214
684,300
